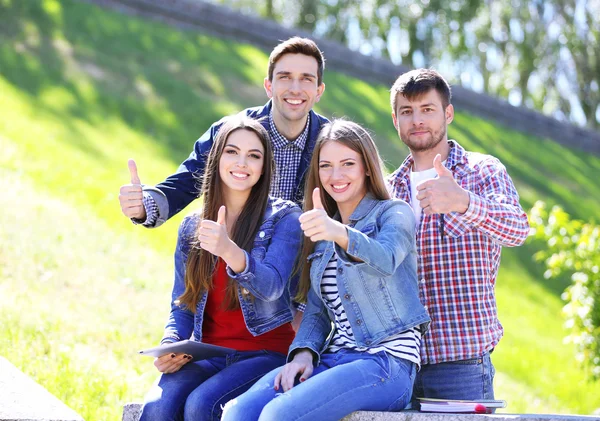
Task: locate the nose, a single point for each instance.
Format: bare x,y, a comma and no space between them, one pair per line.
417,119
241,162
295,86
336,173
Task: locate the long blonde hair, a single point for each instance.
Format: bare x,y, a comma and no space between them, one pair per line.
358,139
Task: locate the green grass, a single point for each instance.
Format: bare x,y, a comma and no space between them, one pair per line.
83,89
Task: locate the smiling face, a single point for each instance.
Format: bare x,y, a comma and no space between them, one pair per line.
342,175
294,88
241,163
422,123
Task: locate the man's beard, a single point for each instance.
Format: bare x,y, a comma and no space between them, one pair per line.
423,146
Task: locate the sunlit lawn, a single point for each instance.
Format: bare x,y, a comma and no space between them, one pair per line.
81,289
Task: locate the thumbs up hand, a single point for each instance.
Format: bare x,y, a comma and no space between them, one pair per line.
317,225
131,196
442,194
213,235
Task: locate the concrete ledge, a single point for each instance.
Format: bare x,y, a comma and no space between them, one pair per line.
22,399
131,412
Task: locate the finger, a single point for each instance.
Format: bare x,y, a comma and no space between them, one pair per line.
221,216
308,370
317,204
288,379
308,216
439,167
133,173
425,185
277,381
131,190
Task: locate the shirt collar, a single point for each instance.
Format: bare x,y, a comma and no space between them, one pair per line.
280,141
457,158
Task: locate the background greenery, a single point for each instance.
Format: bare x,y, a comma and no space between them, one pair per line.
81,289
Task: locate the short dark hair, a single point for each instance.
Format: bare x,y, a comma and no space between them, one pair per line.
297,45
418,82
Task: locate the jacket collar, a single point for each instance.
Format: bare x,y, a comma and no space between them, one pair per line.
365,206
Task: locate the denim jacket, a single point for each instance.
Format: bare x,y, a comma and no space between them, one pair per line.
380,294
266,277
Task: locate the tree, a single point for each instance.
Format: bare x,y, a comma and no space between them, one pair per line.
573,247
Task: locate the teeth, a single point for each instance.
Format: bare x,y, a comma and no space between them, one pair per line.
239,175
294,101
340,186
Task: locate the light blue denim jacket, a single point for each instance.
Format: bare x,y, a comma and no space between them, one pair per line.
267,275
380,294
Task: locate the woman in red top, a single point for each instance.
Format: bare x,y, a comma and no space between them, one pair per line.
233,265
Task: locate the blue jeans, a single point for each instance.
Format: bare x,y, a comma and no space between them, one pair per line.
199,389
344,382
465,379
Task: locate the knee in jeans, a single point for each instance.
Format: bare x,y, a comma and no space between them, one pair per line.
201,409
276,410
233,410
156,411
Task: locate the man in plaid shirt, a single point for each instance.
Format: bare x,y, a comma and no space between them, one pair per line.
294,84
466,209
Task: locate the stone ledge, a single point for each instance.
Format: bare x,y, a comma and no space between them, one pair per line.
131,412
22,399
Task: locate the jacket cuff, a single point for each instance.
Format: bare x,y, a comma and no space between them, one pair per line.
245,274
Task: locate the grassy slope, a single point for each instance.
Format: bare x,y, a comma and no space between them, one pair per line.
83,89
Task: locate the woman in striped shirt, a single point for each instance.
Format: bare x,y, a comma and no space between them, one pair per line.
358,344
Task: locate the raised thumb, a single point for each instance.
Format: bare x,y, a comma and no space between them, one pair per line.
221,216
135,179
316,197
439,167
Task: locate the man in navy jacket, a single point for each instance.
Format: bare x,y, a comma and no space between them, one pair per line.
294,84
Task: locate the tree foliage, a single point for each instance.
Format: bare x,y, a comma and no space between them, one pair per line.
572,247
543,54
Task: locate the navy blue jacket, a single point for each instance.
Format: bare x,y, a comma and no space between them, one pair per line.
181,188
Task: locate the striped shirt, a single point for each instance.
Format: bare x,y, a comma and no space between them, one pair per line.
457,272
404,345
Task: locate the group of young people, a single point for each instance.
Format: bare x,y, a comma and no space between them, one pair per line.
339,290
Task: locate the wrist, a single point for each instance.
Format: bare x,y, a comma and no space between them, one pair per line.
464,202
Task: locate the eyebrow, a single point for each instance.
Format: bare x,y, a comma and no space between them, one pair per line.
286,73
343,160
231,145
404,107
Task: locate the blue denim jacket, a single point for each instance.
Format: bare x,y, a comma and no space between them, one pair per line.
380,294
267,275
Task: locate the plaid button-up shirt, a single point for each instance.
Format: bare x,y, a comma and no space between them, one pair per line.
287,155
457,271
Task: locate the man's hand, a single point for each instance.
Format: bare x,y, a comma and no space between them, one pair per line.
131,196
317,225
442,194
170,363
301,364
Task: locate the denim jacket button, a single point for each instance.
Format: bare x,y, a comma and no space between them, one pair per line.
347,296
340,270
359,322
261,234
368,342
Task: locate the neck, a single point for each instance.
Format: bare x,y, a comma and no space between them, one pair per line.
234,202
288,128
423,160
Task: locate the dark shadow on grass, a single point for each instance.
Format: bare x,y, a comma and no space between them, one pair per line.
166,83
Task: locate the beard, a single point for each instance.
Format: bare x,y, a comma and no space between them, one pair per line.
424,144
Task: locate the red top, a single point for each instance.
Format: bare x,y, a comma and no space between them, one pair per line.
227,327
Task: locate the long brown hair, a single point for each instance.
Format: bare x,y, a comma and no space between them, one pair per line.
358,139
201,264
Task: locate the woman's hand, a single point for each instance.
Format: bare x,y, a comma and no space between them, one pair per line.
301,364
317,225
213,235
170,363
